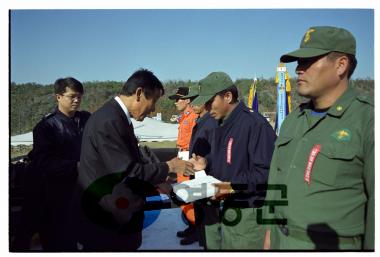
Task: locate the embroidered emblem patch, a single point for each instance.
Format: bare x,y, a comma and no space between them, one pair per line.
342,135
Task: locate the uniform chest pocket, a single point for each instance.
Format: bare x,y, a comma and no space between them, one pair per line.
333,162
283,150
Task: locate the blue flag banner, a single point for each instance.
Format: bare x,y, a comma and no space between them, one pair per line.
255,104
282,106
287,109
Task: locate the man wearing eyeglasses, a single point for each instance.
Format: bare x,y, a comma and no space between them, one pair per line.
52,177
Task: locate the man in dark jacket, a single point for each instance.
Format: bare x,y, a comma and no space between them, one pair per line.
241,150
53,171
202,131
200,144
114,179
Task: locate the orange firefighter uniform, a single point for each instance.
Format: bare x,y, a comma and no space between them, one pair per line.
186,121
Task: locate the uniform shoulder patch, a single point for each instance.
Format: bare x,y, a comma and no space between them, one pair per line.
366,99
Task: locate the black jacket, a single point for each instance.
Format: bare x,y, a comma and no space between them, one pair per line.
56,144
201,135
241,153
110,157
109,146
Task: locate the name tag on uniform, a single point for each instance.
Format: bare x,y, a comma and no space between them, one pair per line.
310,163
229,150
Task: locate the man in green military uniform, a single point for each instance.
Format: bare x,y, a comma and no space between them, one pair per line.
325,153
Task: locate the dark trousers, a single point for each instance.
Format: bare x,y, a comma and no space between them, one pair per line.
45,211
199,210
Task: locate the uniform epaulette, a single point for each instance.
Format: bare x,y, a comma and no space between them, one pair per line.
366,99
254,116
50,114
249,111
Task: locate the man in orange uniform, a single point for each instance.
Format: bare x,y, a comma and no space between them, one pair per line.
187,121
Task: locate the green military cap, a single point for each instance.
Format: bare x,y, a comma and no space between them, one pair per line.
214,83
322,40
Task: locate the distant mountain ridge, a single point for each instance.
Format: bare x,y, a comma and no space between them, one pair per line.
29,102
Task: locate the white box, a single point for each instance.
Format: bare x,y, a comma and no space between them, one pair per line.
195,189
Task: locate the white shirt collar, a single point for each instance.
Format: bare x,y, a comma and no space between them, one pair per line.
122,105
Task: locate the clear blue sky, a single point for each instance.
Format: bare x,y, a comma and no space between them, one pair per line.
175,44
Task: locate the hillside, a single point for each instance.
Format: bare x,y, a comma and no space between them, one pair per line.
30,102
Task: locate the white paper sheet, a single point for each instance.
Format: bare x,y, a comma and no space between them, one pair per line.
184,155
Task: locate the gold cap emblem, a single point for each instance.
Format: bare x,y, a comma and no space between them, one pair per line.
307,35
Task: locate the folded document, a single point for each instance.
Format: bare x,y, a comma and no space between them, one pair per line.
195,189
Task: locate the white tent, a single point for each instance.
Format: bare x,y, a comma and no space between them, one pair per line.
155,130
23,139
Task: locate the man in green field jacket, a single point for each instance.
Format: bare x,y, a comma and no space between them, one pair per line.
324,156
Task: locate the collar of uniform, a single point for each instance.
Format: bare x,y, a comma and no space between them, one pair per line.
63,116
343,102
338,108
230,118
203,118
124,108
304,107
188,111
